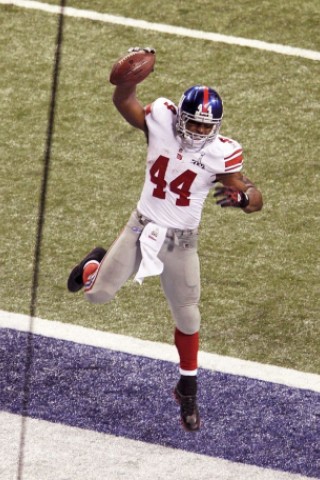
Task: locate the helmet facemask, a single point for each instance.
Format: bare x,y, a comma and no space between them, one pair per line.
193,139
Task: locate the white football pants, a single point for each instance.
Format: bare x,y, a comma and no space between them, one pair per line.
180,278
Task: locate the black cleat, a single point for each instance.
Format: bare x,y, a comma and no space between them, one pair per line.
75,282
190,416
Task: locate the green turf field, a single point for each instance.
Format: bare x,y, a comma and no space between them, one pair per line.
260,273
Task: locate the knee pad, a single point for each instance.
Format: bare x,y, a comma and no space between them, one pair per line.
100,296
187,318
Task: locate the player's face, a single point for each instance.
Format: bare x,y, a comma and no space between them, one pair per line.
199,128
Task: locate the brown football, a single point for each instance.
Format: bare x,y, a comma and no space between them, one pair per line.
133,68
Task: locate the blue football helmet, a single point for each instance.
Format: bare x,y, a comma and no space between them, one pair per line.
203,105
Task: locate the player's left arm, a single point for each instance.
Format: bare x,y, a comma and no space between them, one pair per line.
238,191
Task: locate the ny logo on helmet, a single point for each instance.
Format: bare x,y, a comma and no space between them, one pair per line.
204,111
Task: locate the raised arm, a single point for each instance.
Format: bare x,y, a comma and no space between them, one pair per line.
126,73
126,102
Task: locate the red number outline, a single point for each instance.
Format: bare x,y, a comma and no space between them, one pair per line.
180,185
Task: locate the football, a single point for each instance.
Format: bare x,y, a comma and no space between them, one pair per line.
133,68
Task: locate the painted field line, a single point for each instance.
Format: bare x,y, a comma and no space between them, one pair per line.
55,451
159,351
163,28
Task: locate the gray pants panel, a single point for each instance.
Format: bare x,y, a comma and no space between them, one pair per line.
180,278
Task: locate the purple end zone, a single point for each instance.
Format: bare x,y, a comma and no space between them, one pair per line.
243,420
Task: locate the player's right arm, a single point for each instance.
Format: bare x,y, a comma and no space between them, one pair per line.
126,102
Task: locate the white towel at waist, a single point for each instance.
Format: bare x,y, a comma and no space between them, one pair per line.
151,240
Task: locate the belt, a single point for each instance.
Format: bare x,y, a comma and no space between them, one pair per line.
177,231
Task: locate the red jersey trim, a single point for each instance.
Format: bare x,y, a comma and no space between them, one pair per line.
147,108
234,164
233,154
234,160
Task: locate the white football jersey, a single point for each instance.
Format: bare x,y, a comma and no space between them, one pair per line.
178,180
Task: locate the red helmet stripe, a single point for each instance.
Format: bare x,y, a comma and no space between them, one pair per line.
205,100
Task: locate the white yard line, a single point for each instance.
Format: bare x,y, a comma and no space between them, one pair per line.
56,452
159,351
163,28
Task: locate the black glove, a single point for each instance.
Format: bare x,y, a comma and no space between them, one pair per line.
231,197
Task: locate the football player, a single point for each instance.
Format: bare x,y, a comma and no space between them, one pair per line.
187,157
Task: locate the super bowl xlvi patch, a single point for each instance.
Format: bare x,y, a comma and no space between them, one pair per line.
137,230
198,162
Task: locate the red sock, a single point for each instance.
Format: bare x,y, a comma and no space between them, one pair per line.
188,347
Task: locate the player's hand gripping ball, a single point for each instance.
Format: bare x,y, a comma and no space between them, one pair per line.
134,67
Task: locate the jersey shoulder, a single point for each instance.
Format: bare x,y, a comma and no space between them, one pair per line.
232,153
162,109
